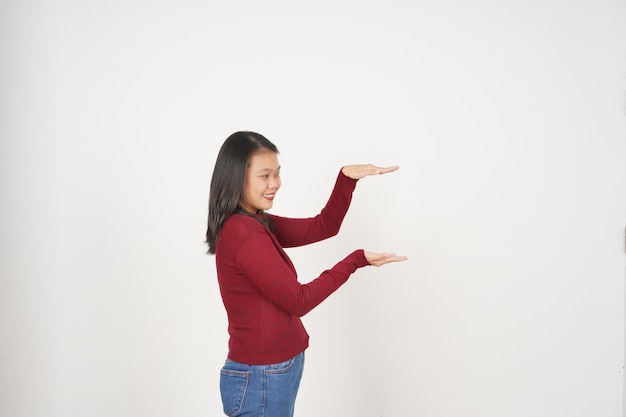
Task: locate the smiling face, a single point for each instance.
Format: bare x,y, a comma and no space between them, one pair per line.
262,182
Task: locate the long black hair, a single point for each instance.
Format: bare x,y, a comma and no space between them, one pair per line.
229,177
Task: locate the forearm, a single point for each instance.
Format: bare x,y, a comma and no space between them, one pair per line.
316,291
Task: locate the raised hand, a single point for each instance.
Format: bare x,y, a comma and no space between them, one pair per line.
378,259
357,172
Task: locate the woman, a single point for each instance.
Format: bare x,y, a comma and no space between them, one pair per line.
258,283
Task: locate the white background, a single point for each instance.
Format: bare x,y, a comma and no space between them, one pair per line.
507,119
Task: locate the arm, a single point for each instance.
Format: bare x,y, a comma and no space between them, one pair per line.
297,232
272,273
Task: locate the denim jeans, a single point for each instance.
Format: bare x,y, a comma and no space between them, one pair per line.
261,390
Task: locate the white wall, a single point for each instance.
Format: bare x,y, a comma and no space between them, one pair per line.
507,119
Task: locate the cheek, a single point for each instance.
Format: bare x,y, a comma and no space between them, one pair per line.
255,187
248,190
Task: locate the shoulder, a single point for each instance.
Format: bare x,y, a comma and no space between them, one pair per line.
240,225
238,221
240,231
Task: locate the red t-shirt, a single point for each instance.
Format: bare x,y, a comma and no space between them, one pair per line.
258,283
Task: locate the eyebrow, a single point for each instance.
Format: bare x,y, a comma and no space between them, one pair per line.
267,169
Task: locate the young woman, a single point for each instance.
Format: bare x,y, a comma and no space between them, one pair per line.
258,283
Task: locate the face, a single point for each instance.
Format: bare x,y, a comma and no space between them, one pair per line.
262,182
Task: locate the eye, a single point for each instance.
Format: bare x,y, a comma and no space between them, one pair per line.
265,176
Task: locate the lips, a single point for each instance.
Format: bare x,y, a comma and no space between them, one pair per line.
269,196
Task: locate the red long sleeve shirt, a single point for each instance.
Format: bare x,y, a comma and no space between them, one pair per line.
258,282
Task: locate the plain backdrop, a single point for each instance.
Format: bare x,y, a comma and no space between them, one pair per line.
507,119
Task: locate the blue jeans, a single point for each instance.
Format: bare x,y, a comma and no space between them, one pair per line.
261,390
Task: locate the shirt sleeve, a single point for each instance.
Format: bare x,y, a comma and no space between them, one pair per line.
268,269
291,232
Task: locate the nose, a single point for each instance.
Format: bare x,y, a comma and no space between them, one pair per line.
274,183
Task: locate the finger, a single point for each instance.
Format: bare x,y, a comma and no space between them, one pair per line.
385,170
399,258
392,257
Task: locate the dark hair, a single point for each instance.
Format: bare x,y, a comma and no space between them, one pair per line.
229,176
